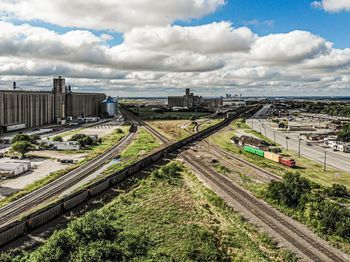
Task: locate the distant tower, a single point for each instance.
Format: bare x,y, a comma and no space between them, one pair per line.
59,85
59,91
14,86
188,91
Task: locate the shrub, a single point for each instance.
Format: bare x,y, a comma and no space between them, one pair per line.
21,147
57,139
291,192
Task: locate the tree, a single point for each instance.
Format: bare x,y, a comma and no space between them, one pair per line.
21,137
57,139
344,134
77,137
21,147
82,139
34,138
336,190
291,191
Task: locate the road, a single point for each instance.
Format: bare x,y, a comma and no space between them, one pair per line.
11,211
314,153
318,154
262,113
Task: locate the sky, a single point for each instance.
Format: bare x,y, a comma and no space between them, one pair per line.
159,48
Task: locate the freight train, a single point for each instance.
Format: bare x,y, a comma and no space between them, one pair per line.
35,220
271,156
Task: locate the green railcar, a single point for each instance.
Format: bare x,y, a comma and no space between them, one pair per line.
254,151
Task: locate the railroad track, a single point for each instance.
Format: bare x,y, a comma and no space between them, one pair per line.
137,121
231,156
11,211
265,213
309,246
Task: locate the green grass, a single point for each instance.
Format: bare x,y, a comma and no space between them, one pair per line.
210,123
144,144
93,151
171,129
306,167
170,216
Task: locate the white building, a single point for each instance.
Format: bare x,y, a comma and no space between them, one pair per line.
69,145
10,168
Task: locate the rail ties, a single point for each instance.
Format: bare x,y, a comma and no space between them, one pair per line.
266,214
12,210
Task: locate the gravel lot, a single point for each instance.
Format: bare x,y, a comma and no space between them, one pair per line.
44,167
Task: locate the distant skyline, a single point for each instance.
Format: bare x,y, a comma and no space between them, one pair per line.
159,48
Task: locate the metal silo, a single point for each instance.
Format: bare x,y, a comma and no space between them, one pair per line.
111,106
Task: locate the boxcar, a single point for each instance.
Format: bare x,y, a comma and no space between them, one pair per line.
288,162
41,217
272,156
11,232
99,187
74,200
254,151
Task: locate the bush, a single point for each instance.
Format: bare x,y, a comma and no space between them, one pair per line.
82,139
291,192
119,131
57,139
336,190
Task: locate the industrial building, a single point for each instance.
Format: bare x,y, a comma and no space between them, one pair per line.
11,168
25,109
189,100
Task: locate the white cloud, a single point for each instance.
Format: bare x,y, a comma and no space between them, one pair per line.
213,59
210,38
118,15
332,5
291,47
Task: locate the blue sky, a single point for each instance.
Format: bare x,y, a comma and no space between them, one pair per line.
262,16
287,15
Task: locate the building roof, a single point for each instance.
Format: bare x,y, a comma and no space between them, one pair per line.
9,166
110,100
253,141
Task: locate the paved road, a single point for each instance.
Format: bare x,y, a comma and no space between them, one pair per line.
262,113
314,153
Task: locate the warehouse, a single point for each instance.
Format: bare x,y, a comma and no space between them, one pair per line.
21,109
10,168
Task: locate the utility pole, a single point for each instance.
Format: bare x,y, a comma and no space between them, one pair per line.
299,148
274,136
325,161
287,142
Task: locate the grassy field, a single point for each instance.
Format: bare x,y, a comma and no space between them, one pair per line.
171,129
144,144
170,216
306,167
92,152
147,113
210,123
